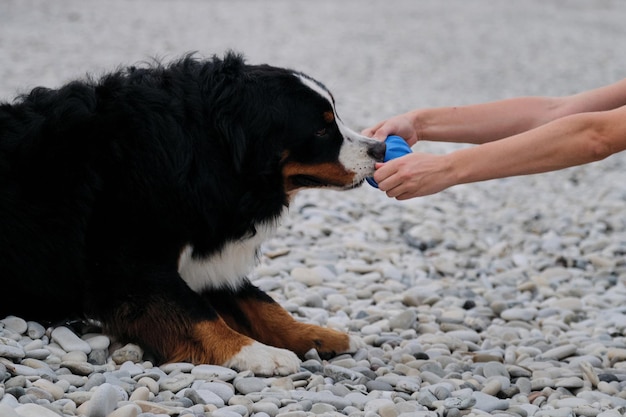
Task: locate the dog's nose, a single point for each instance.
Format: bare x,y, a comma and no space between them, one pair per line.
377,150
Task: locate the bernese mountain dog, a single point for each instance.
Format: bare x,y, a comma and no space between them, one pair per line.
140,199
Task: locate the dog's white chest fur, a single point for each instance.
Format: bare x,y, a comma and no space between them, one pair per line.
227,268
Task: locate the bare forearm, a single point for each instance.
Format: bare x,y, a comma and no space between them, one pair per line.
486,122
481,123
566,142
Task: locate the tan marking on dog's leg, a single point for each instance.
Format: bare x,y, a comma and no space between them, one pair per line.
210,342
273,325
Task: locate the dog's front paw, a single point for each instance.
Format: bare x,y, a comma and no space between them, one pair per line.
265,360
356,343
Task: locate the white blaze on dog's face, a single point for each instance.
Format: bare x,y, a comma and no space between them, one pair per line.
334,156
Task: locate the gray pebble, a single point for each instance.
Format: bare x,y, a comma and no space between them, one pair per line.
103,401
176,382
489,403
250,385
69,341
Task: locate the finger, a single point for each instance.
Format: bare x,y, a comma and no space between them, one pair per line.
381,134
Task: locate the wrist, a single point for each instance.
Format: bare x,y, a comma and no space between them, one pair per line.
454,171
417,118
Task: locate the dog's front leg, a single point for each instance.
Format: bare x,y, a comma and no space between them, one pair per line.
252,312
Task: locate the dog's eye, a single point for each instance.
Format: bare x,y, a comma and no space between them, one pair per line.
321,132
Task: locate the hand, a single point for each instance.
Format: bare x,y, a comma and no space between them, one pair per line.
400,125
414,175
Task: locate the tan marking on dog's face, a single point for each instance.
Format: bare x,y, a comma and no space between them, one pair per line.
326,174
329,117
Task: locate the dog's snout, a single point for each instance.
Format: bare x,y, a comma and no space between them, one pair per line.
377,150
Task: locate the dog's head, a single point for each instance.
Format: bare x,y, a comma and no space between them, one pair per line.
320,150
289,119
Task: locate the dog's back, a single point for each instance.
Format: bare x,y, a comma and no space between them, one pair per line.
47,188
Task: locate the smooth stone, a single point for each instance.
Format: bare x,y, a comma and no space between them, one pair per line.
16,324
540,383
223,390
375,405
34,410
128,410
94,380
140,394
39,393
489,403
571,382
567,303
69,341
321,408
78,368
76,380
460,403
250,385
234,410
570,402
7,411
9,348
266,407
35,330
521,314
209,372
132,368
98,342
156,408
103,401
559,352
357,399
149,383
404,320
326,397
55,390
184,367
468,335
339,373
40,354
378,385
408,385
492,387
495,369
176,382
128,352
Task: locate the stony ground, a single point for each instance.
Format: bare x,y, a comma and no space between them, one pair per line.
505,298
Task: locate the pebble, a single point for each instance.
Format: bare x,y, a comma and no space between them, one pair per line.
250,385
69,341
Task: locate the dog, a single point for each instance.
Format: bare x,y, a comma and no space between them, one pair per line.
140,199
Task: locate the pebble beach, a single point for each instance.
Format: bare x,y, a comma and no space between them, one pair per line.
505,298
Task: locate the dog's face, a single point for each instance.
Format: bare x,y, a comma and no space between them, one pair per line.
320,151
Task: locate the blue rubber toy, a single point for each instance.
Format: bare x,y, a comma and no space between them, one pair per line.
396,147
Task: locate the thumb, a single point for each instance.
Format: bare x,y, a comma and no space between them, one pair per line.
381,133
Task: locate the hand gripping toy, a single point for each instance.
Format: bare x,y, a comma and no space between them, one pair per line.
396,147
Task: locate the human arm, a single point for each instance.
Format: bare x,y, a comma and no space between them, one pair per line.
568,141
486,122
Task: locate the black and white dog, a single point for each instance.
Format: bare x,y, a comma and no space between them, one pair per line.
140,199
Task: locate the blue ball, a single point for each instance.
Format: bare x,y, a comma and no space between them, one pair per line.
396,147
